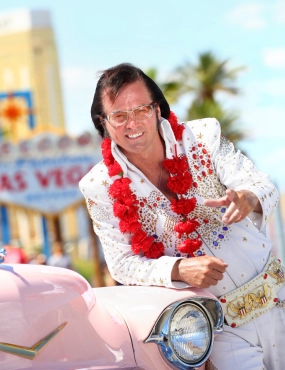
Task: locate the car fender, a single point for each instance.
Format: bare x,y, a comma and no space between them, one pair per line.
36,300
141,306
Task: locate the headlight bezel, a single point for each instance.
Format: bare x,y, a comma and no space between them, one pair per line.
192,307
160,333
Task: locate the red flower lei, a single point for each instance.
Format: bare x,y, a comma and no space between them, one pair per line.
126,208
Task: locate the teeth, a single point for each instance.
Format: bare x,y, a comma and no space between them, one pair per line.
135,135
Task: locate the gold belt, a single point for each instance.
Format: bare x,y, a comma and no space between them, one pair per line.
256,296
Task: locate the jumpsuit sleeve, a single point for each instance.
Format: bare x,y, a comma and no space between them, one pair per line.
124,266
236,171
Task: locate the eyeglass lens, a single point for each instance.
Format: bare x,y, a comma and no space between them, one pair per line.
141,113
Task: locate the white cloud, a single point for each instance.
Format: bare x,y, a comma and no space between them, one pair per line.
256,16
271,160
249,16
265,122
279,11
274,87
79,77
78,85
276,157
274,58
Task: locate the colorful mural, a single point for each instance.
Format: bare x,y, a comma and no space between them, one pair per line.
16,112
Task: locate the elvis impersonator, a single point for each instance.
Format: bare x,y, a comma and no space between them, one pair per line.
176,205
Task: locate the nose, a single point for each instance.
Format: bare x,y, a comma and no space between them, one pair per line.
131,121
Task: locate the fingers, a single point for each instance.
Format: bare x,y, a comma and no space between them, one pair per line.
233,214
215,277
201,272
239,203
223,201
219,265
232,195
240,207
216,202
206,279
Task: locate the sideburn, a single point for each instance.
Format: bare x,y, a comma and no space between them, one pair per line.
157,120
106,132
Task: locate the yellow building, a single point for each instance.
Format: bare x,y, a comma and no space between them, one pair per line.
30,90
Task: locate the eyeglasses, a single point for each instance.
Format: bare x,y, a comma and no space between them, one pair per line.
141,113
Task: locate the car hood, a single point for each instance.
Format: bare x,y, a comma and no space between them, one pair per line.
141,306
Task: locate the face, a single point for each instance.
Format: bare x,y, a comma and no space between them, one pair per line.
135,137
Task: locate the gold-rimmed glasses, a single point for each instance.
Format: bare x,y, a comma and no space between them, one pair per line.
141,113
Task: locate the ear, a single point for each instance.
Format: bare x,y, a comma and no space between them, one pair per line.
157,108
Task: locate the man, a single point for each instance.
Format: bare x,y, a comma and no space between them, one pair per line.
165,192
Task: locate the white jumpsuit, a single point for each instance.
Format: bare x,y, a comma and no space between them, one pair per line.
215,166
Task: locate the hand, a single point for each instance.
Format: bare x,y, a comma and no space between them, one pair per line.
199,272
240,204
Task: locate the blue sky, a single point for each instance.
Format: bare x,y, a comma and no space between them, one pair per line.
92,35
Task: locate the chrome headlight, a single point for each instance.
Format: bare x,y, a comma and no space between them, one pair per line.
185,331
190,333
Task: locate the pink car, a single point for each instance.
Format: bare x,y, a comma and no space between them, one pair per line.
50,318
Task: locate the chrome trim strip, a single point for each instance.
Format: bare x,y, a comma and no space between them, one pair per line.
30,352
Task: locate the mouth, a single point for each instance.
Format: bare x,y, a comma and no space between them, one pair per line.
134,136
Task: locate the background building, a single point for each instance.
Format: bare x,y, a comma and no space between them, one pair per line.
40,164
30,90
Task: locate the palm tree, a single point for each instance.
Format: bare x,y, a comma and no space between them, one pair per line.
207,77
228,119
203,80
170,89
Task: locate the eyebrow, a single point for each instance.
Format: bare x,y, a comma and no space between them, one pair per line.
128,110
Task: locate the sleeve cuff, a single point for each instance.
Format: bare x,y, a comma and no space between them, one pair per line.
256,219
166,264
259,219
